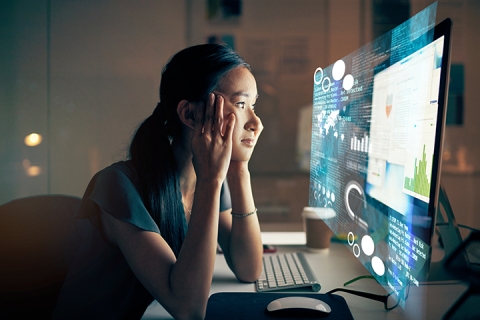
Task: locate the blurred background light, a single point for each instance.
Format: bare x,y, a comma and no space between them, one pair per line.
33,139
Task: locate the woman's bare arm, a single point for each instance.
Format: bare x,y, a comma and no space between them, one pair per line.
240,237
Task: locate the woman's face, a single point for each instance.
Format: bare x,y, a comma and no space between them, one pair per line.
239,91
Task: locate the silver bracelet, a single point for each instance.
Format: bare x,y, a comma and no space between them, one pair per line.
243,215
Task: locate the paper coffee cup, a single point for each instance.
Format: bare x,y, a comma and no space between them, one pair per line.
318,234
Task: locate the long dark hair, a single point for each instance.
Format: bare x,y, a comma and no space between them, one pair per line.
190,75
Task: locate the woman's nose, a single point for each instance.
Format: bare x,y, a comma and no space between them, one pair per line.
254,123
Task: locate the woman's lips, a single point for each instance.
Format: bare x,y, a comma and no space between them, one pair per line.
249,141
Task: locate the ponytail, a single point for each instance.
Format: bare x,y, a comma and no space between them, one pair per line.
153,158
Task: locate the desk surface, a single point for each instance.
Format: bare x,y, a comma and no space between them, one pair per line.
333,268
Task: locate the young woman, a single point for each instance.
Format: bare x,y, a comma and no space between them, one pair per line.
153,221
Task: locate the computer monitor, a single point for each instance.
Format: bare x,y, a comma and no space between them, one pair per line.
377,135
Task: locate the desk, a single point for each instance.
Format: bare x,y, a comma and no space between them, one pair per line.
333,268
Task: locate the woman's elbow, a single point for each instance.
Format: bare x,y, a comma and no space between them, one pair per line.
249,275
246,279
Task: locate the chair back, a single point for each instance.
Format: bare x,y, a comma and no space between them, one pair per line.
39,237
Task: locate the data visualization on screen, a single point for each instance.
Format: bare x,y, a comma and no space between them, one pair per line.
377,123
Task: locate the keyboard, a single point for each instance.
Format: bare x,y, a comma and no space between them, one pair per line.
283,271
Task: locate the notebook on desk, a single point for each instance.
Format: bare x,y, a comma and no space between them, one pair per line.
253,305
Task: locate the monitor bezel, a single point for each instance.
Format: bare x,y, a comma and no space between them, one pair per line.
442,29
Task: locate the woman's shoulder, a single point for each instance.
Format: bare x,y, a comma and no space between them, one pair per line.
115,190
117,176
123,169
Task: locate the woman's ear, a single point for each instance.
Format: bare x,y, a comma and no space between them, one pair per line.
186,113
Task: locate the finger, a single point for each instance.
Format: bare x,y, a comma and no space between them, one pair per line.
229,126
209,113
219,114
199,117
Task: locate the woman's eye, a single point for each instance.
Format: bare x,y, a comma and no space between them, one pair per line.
241,104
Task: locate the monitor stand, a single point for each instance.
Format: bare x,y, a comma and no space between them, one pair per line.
446,231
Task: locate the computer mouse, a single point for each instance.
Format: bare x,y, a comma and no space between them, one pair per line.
298,306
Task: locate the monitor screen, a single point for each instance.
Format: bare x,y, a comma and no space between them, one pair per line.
377,132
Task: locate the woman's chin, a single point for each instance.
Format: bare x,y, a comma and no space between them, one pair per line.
241,156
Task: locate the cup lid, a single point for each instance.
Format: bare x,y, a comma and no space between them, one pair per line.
318,213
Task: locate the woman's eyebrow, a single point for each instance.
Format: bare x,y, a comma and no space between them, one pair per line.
235,94
243,94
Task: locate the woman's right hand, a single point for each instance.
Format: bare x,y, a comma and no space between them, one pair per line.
212,139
